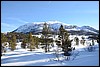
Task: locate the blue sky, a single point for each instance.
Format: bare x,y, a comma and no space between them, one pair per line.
17,13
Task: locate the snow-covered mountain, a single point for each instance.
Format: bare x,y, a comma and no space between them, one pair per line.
36,27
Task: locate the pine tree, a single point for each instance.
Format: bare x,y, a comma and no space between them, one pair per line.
76,40
9,36
98,39
46,32
92,42
83,41
23,44
63,34
3,44
3,38
36,41
31,41
42,39
13,42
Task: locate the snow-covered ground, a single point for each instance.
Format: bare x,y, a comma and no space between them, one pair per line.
23,57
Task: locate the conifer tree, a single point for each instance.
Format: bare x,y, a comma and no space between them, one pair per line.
46,32
98,39
3,44
83,41
3,38
76,40
36,43
61,35
9,36
92,42
13,42
66,43
36,40
31,41
23,44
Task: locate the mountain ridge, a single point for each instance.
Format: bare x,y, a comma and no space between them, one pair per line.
36,27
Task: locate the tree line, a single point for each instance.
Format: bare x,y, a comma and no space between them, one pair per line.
33,42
